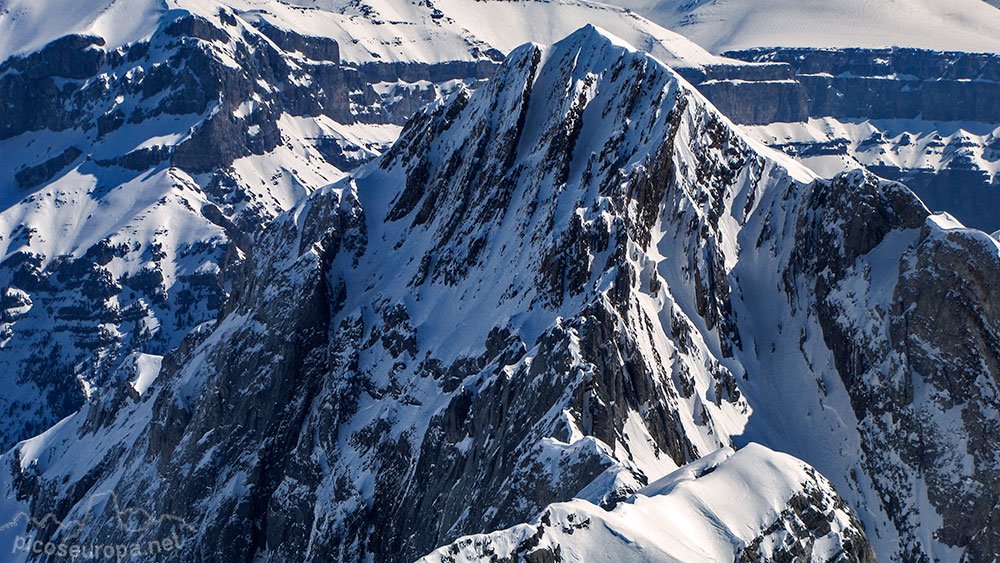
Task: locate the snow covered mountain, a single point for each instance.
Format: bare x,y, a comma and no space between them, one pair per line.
148,144
926,118
134,183
566,284
375,30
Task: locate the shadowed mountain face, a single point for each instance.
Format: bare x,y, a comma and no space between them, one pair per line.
567,283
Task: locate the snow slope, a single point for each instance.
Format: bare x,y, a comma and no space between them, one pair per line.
721,25
709,510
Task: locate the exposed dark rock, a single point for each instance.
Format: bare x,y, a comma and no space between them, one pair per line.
758,102
141,159
433,72
196,26
72,56
33,176
793,534
892,83
939,297
316,48
969,195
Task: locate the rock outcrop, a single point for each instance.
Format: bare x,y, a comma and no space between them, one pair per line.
891,83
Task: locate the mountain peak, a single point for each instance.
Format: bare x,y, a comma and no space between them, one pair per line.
590,33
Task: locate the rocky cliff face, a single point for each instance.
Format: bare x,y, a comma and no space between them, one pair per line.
918,365
891,83
565,284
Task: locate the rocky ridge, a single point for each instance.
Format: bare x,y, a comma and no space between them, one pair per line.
812,522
